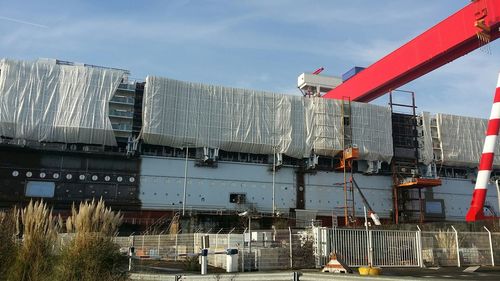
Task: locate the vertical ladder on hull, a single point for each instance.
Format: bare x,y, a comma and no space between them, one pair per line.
346,161
407,179
408,204
437,147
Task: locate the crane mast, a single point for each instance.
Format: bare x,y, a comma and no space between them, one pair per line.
468,29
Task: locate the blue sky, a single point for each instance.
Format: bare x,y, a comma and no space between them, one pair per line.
251,44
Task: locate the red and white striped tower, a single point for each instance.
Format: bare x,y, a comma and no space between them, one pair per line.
486,162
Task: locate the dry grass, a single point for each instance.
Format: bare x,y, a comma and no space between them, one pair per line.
93,217
34,258
7,241
92,253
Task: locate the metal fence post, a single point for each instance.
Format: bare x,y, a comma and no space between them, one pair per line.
229,238
334,239
176,248
243,252
319,247
419,248
458,246
158,248
217,239
143,236
491,247
370,247
291,254
195,239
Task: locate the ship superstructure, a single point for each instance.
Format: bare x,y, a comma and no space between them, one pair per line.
158,147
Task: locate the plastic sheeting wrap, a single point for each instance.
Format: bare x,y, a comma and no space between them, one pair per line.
372,131
462,140
44,101
324,125
179,114
426,152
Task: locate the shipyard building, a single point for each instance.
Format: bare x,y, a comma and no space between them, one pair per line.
158,149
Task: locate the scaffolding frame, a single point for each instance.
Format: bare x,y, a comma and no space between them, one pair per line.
405,161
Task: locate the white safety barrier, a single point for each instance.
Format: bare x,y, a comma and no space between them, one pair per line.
406,248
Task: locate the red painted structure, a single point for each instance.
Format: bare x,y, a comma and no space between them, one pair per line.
486,162
450,39
468,29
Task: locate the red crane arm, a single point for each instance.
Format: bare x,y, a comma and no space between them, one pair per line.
450,39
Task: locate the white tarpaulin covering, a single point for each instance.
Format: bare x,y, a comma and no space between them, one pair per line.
182,114
324,125
372,131
462,140
371,128
426,152
44,101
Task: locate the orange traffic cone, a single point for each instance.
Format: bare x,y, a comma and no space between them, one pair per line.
336,265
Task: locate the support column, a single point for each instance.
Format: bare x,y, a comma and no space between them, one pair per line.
486,163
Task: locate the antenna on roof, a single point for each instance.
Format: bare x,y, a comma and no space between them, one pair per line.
318,71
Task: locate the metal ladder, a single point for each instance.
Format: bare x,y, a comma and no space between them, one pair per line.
349,204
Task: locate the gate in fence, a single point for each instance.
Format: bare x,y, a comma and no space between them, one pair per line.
358,247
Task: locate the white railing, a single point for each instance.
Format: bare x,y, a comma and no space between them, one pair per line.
403,248
395,248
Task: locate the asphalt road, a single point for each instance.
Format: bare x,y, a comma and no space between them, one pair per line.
444,273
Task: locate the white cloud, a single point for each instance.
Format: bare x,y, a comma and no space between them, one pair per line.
23,22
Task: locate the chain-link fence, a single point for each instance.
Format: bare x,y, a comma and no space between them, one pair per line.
474,248
259,250
495,241
455,248
439,248
276,249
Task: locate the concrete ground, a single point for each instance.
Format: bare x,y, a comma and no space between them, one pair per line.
444,273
